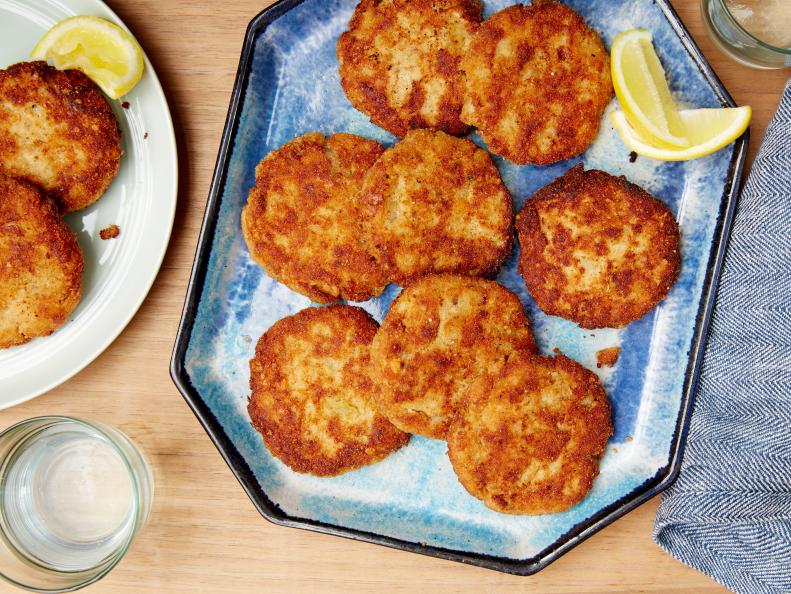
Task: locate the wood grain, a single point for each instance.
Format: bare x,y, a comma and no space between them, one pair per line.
205,536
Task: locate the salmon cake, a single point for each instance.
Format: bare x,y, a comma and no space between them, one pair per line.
537,82
437,204
57,131
302,221
439,335
399,62
312,397
529,437
41,264
596,249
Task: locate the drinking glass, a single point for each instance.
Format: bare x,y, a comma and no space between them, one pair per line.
73,495
754,32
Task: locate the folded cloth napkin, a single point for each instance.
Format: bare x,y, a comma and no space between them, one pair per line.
729,513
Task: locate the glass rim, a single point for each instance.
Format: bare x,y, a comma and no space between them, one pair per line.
739,26
111,560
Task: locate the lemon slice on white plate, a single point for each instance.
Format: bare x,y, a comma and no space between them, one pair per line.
641,88
105,52
708,131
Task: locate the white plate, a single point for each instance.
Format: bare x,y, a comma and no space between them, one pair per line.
141,201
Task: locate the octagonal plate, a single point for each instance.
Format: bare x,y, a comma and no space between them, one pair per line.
287,84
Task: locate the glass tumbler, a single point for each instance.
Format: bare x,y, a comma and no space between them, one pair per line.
73,495
754,32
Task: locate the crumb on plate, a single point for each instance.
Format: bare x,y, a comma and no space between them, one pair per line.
110,232
607,357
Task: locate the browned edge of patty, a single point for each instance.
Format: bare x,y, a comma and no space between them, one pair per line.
73,100
595,310
318,256
414,192
491,462
577,124
22,205
428,350
357,51
286,436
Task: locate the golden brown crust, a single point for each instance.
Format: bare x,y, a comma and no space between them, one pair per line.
529,437
302,221
41,264
57,131
596,249
607,357
437,204
110,232
439,335
312,397
399,62
537,83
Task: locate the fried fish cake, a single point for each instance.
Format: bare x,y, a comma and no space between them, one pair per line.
537,83
312,396
303,224
399,62
437,204
58,132
41,264
440,334
596,249
528,438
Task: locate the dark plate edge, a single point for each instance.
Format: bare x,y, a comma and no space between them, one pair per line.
663,478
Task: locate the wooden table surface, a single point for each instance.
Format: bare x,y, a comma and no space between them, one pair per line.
205,536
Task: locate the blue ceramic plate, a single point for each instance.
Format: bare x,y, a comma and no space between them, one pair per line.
287,84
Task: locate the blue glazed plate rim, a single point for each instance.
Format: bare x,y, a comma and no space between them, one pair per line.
660,481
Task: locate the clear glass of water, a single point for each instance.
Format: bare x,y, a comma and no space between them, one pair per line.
73,495
754,32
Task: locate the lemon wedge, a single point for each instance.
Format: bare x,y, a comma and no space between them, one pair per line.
641,88
105,52
708,131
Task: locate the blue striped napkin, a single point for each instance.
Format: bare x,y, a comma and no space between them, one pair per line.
729,513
